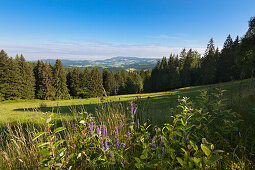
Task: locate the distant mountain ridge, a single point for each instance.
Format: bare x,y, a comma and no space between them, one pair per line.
135,63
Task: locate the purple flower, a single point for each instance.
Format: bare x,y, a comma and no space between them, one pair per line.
123,162
98,130
153,141
135,111
106,144
187,137
116,129
117,142
132,108
163,151
131,124
160,141
91,128
102,144
104,131
123,145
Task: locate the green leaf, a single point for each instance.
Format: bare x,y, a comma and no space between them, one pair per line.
45,152
43,144
48,120
58,142
59,129
204,141
180,161
79,155
218,151
38,135
213,159
205,149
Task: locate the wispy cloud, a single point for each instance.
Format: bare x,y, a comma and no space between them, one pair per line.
48,48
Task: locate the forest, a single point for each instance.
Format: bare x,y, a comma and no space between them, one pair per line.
25,80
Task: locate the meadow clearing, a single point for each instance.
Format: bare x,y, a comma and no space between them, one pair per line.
157,105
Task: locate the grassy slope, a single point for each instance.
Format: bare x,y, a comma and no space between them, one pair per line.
158,104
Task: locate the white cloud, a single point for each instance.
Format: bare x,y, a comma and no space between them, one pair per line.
88,50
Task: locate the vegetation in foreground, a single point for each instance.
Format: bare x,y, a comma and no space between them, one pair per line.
202,134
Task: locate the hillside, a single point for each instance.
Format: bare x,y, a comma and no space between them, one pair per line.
115,63
154,104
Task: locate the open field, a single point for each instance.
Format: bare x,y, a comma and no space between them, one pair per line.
156,105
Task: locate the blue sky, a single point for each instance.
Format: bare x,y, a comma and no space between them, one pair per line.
97,29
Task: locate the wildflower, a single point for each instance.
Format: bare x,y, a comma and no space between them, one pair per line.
132,108
102,144
106,144
187,137
117,131
135,111
160,142
104,131
122,163
123,145
117,142
91,128
98,131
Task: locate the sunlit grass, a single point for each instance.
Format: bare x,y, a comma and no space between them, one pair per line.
156,104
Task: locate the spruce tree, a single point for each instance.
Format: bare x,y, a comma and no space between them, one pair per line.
109,82
226,62
85,87
47,86
59,78
27,86
38,72
73,81
97,88
10,78
4,65
209,64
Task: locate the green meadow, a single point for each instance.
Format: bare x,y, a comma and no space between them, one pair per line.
156,105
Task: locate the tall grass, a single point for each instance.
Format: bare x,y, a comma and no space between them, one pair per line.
200,134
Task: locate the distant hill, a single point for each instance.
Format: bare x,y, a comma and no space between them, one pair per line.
114,64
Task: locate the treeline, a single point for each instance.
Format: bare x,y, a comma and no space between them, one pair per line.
23,80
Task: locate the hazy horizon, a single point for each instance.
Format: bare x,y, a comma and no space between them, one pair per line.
95,30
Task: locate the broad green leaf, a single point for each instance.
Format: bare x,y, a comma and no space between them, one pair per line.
45,152
205,149
213,159
180,161
59,129
38,135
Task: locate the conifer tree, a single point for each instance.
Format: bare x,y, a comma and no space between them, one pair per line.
209,64
96,83
47,86
4,65
10,78
27,86
73,81
85,84
226,62
121,78
59,78
109,82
